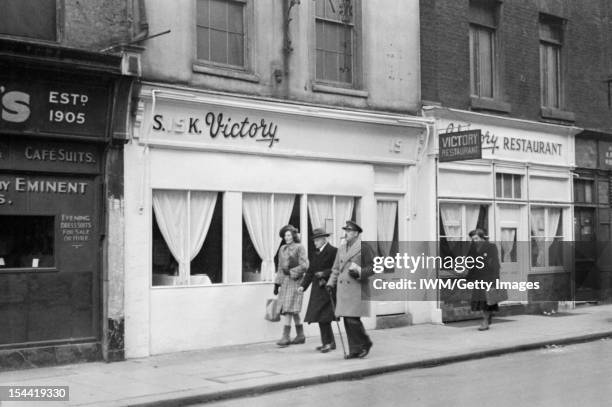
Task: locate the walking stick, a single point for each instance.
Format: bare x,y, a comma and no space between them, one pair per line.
331,297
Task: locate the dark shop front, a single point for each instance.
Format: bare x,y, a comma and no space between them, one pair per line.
593,217
55,131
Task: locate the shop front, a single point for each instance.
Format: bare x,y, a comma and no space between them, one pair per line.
55,130
520,194
211,179
593,281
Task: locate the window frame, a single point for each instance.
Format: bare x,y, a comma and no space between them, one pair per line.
475,82
187,275
562,220
55,267
244,72
59,28
357,82
582,182
495,101
545,43
514,177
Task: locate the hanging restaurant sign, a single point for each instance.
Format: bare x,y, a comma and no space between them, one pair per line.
460,145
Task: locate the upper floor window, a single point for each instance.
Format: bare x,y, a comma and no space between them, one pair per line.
483,64
551,42
221,32
335,41
29,18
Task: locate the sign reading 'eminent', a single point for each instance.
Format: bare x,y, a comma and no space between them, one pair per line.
461,145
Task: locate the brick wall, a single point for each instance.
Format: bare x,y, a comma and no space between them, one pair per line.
445,56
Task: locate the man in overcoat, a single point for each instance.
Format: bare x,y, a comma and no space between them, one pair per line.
351,269
319,306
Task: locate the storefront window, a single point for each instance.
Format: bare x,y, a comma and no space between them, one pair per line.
187,237
331,213
27,241
508,186
263,215
583,190
508,245
546,237
456,221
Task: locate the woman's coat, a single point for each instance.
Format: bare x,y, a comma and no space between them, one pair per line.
292,264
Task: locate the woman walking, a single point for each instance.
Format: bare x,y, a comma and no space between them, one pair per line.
292,264
482,299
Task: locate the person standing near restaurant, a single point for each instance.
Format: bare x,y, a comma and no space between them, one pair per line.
319,306
482,299
292,264
351,269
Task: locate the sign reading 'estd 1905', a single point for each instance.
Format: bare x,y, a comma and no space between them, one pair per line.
53,107
461,145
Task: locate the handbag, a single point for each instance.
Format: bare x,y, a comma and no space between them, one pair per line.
272,310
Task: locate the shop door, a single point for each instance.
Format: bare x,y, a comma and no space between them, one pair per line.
512,243
387,235
586,276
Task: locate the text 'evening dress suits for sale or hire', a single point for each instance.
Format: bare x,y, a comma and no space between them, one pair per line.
319,306
349,304
292,264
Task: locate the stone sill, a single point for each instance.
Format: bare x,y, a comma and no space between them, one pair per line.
557,114
225,72
318,87
478,103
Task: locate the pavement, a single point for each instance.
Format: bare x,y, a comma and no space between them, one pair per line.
196,377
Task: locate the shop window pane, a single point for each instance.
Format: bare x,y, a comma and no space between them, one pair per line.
27,241
583,191
508,245
498,185
165,266
588,192
186,223
507,185
263,216
603,192
517,179
207,266
29,18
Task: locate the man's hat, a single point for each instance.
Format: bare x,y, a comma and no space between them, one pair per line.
350,225
319,232
285,228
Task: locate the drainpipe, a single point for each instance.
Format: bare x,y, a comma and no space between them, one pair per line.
287,46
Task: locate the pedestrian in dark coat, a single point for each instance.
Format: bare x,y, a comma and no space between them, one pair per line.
482,299
351,269
320,307
292,265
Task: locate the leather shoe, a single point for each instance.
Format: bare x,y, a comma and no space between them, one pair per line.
365,351
327,348
320,347
351,356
